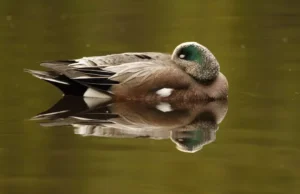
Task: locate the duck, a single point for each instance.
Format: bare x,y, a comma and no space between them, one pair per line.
190,73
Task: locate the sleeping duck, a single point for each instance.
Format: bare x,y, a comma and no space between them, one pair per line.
191,73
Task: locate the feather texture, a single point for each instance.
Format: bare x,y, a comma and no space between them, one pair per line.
129,72
138,76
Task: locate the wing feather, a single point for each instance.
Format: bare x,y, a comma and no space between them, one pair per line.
102,78
130,72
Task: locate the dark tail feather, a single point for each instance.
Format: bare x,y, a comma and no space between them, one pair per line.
62,82
64,108
88,111
91,77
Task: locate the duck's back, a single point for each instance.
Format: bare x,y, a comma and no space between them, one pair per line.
118,59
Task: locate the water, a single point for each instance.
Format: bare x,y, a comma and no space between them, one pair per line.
256,149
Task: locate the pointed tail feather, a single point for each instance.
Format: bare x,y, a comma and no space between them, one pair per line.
95,78
65,107
72,79
66,85
88,111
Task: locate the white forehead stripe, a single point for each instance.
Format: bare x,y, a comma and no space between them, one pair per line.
164,92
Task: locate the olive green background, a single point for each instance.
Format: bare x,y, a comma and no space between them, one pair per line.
257,149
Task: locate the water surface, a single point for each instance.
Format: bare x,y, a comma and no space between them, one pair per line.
256,149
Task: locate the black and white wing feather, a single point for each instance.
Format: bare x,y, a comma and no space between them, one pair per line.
94,76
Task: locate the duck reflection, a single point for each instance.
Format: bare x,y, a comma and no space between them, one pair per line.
189,125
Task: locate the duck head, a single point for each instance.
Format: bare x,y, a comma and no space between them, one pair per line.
197,61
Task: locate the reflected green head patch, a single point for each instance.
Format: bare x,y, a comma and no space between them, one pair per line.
192,139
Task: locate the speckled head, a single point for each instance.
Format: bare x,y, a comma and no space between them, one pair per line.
197,61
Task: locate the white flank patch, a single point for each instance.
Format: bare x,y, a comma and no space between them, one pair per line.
164,107
94,93
92,102
164,92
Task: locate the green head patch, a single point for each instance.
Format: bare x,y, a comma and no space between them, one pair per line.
191,53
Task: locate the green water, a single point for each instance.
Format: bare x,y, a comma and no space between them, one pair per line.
257,147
